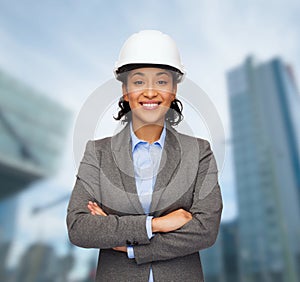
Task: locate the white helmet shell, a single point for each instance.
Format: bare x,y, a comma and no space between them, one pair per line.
150,47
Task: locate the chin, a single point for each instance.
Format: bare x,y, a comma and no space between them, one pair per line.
148,119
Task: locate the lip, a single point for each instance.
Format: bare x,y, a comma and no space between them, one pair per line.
150,105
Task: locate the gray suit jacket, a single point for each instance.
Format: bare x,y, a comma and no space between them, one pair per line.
187,179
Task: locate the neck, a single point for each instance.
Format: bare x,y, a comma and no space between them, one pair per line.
147,132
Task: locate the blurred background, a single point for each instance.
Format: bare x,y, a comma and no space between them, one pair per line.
245,56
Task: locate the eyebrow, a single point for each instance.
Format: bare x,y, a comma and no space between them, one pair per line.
163,72
157,74
137,73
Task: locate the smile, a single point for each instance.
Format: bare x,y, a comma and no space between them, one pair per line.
150,105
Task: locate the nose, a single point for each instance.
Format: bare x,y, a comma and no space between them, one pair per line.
150,93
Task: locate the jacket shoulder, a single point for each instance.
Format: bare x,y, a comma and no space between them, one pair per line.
188,139
102,144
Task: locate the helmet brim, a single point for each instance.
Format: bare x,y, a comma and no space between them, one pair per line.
129,67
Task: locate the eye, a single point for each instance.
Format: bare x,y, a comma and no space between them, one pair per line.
162,82
138,82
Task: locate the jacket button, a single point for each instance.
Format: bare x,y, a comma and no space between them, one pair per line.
128,242
135,243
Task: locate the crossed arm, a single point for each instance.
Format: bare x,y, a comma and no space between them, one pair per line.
180,233
167,223
112,231
177,234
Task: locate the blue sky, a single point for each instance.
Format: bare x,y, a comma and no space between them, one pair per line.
66,49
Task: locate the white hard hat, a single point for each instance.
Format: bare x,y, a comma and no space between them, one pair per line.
149,47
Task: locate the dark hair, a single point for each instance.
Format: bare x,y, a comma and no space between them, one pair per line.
174,115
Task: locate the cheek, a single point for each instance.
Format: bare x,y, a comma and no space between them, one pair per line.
170,98
132,99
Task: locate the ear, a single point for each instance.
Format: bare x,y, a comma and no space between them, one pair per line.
125,94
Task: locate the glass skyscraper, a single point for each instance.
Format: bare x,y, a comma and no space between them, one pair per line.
264,108
211,258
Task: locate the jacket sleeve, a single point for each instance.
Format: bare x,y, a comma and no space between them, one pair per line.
201,231
89,231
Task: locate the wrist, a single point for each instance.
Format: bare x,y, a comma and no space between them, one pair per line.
156,225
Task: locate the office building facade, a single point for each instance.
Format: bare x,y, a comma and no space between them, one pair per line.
264,104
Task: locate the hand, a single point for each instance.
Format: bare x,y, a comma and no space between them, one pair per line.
121,249
171,221
95,209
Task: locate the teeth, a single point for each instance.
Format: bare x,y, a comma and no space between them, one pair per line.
150,105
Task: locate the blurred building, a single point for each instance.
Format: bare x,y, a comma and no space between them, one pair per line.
4,250
8,213
211,259
264,103
33,129
220,262
38,264
41,263
229,235
32,133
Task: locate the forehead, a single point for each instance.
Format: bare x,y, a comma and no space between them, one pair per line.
149,72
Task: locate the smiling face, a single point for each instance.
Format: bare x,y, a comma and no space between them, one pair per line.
149,92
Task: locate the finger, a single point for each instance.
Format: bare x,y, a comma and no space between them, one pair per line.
90,209
94,211
102,213
98,209
93,207
98,212
90,206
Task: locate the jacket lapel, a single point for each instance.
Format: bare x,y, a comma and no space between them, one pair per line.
122,154
170,160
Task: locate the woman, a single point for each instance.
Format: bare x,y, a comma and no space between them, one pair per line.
148,197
